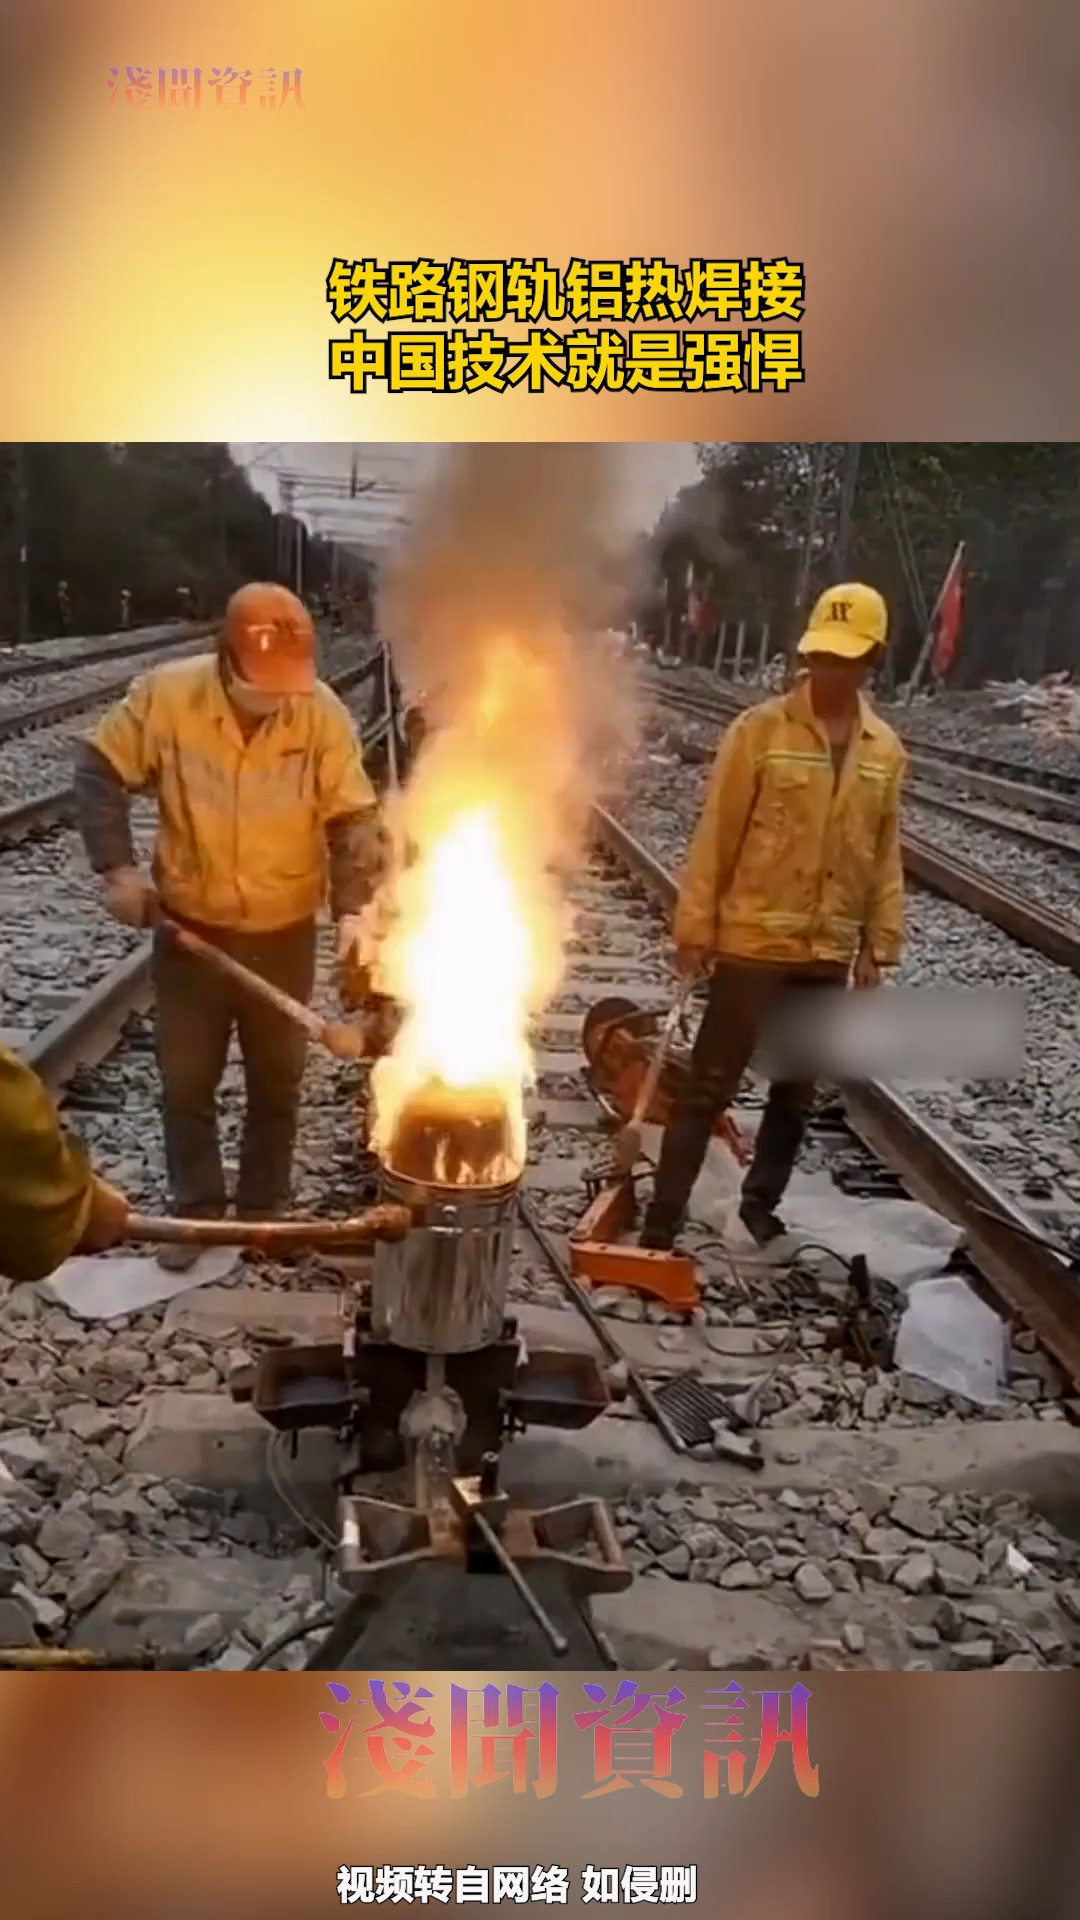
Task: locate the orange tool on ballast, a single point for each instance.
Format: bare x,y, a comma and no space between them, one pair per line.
596,1256
635,1073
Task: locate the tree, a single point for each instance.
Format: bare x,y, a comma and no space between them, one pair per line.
147,516
774,505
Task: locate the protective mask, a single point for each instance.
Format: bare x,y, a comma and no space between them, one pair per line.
252,700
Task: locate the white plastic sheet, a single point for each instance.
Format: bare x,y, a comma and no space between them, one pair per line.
110,1286
950,1337
903,1241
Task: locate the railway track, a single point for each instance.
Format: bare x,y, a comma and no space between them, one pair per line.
33,663
886,1528
825,1420
1008,1247
29,716
1044,791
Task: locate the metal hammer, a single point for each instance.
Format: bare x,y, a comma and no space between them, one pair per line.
339,1037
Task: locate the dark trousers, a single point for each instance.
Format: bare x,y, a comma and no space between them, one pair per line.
740,998
197,1009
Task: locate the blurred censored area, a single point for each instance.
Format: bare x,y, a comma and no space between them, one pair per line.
917,160
941,1796
906,1034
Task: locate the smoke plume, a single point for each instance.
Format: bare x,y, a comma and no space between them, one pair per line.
496,612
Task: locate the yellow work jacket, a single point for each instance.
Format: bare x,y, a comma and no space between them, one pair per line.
241,838
46,1186
789,864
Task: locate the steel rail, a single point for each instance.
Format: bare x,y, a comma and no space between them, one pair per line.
972,887
1024,796
1008,781
88,1031
42,713
115,648
1039,834
1030,1278
31,816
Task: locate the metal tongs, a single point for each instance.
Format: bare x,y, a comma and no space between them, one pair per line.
316,1236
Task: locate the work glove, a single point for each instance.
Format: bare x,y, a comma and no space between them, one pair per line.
107,1220
352,942
130,897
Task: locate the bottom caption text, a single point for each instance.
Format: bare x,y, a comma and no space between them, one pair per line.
515,1886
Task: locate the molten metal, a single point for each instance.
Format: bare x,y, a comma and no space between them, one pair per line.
454,1137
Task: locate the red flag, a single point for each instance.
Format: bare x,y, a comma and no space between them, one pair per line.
947,615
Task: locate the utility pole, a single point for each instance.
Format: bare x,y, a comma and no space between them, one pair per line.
22,547
848,487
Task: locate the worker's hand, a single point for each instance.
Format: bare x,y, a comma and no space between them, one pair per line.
352,940
107,1220
691,962
866,972
129,896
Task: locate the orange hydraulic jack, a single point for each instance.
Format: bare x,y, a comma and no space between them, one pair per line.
618,1039
595,1255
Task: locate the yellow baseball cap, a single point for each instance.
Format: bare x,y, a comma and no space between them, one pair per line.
849,621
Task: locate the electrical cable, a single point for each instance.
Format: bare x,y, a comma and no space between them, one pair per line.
277,1474
819,1246
287,1639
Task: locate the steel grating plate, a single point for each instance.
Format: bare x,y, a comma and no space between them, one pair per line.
692,1406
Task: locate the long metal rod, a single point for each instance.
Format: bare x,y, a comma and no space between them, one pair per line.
556,1640
362,1230
578,1298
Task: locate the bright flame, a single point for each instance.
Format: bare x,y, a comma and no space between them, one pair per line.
464,969
474,946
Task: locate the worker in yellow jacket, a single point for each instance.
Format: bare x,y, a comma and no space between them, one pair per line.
261,797
793,882
51,1202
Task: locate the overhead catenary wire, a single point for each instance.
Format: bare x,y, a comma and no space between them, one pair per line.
898,526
